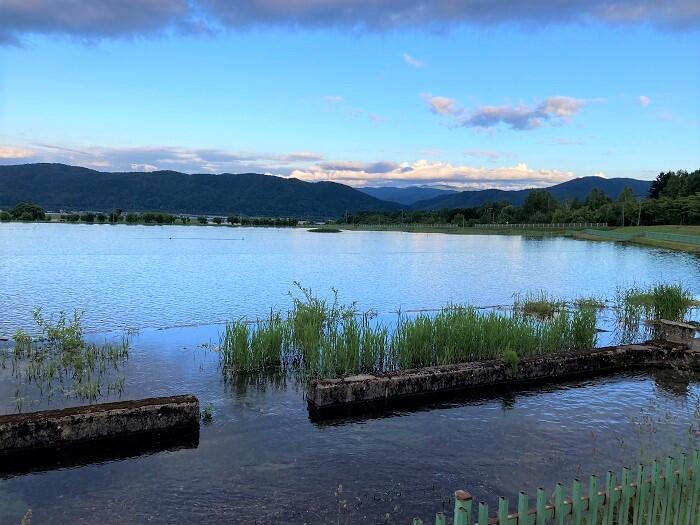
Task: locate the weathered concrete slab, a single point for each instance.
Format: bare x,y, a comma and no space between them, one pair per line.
69,426
328,394
676,332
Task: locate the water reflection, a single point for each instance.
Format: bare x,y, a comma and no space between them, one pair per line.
95,452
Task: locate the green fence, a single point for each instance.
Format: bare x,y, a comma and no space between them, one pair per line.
665,493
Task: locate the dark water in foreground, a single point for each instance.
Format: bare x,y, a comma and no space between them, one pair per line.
262,460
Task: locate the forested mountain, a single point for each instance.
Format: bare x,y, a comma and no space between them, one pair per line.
59,186
573,189
406,196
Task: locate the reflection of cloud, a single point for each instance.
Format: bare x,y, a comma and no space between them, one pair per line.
424,172
521,117
95,19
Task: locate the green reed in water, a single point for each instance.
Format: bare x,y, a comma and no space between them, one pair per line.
637,309
324,338
58,358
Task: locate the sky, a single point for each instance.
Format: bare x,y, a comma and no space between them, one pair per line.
468,94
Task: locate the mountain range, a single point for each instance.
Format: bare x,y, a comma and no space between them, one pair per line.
572,189
406,196
60,186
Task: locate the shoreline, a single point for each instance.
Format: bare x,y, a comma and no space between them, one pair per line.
624,235
635,233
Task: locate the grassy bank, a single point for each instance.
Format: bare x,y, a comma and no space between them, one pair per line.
628,234
325,338
638,235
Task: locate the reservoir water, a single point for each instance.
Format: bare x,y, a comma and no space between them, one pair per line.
262,459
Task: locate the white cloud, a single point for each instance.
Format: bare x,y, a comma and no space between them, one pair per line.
13,153
425,172
442,105
555,109
643,100
486,154
600,174
303,165
161,158
412,61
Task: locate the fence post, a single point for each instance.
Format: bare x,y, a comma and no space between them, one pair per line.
541,515
593,500
502,511
463,508
523,508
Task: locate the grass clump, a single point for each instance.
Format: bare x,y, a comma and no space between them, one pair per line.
58,358
325,230
207,414
638,309
459,334
663,301
324,338
540,306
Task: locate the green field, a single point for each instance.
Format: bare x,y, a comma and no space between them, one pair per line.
629,234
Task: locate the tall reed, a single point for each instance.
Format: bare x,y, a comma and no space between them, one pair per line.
321,337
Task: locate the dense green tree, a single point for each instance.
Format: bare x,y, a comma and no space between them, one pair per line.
26,211
596,199
627,203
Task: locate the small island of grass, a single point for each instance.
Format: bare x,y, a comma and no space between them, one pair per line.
325,230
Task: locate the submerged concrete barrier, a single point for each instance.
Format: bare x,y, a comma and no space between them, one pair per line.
327,395
106,421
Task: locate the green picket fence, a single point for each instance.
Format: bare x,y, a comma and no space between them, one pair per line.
665,493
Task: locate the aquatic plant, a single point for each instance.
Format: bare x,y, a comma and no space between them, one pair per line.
207,414
638,309
322,337
541,305
58,358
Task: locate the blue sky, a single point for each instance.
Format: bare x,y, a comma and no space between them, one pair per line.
351,92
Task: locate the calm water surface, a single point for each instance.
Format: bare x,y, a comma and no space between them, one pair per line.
140,276
262,460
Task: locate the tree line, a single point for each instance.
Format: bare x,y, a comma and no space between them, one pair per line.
29,212
674,198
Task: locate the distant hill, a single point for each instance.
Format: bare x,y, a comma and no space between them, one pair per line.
573,189
406,196
59,186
